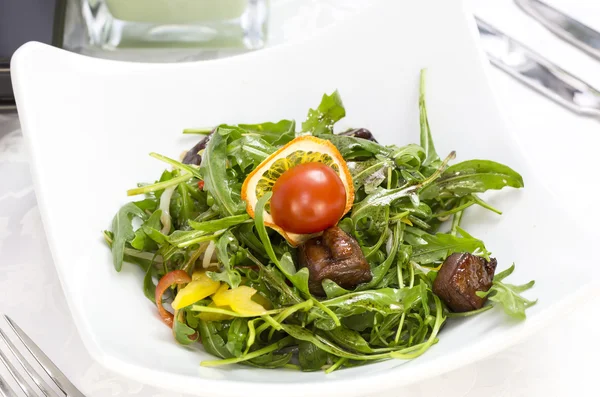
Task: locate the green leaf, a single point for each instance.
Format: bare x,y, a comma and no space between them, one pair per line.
298,278
231,277
122,230
142,240
326,345
349,339
271,360
149,204
227,245
409,156
236,336
332,290
276,134
216,179
351,147
360,322
182,238
374,204
284,295
310,357
370,173
431,156
211,340
182,333
218,224
179,165
149,287
438,247
505,273
509,295
380,271
330,110
286,265
249,151
472,176
385,301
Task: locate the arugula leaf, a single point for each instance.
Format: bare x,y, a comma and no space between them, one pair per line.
509,295
236,336
183,334
278,133
326,345
349,339
122,230
431,156
376,205
351,147
310,357
472,176
271,360
142,241
177,164
218,224
284,296
228,274
216,179
149,287
286,265
249,151
411,156
438,247
148,204
380,271
330,110
211,340
370,173
384,301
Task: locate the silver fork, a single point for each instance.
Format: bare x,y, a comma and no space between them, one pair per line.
47,365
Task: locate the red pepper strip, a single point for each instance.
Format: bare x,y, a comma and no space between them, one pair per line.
200,184
174,277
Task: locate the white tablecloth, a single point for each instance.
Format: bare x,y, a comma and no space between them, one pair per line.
560,361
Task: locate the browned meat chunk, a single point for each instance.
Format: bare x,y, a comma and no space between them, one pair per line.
334,256
460,277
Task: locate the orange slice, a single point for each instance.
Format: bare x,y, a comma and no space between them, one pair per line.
303,149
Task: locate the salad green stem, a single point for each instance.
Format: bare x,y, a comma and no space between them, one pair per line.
159,185
288,340
198,131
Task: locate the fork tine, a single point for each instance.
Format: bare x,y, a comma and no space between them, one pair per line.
43,386
5,390
52,370
16,375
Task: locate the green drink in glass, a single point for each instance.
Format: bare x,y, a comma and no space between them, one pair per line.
214,24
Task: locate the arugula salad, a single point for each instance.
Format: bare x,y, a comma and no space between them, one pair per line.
279,247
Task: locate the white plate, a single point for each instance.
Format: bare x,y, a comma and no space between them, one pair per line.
90,124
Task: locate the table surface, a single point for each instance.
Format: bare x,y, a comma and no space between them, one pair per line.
559,361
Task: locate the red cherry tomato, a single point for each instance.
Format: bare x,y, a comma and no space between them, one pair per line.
308,198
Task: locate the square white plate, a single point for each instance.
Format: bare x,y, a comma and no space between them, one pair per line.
90,123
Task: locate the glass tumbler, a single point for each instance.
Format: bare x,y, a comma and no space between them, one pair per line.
214,24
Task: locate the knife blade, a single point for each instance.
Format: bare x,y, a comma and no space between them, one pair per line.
537,72
562,25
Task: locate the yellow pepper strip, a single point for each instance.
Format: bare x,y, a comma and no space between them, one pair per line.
199,288
407,221
224,287
208,316
261,300
240,301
